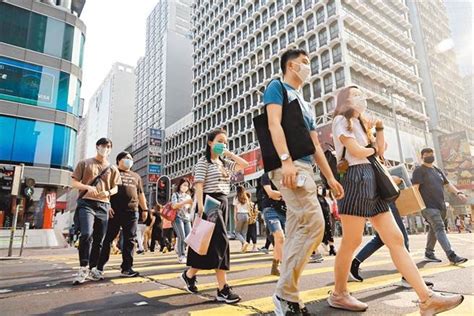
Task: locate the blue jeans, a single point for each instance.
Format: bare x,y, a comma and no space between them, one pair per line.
93,217
437,231
182,228
274,220
376,243
241,227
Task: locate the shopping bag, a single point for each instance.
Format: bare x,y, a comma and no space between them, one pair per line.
168,212
200,236
410,201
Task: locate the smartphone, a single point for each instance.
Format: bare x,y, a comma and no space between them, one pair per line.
300,180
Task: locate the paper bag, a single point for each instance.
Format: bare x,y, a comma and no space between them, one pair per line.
200,236
410,201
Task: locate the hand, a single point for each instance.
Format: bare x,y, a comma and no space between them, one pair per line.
111,213
462,197
337,189
275,195
397,180
103,194
92,190
374,122
189,201
227,153
289,174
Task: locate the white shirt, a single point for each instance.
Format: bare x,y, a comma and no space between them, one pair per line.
339,128
240,208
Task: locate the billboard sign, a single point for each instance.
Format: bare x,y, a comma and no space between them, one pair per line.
154,169
155,141
457,159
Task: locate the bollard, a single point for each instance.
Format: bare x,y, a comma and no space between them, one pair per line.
27,226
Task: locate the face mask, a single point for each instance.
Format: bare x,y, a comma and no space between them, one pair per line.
219,148
103,151
320,191
128,163
359,104
429,159
304,72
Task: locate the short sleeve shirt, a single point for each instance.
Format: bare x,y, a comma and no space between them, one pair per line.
239,207
431,182
128,192
339,128
274,95
87,170
267,201
185,211
214,175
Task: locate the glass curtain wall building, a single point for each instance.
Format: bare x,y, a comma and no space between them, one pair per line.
41,53
236,53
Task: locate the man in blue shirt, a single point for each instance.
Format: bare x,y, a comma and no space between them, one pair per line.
294,180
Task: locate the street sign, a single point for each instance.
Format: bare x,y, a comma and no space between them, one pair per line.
154,169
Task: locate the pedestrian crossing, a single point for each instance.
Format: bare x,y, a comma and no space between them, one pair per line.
249,276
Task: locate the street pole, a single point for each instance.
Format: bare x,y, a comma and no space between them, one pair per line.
394,113
15,216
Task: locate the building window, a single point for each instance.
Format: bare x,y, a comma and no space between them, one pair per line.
327,83
330,105
283,42
339,74
333,30
307,92
289,16
331,7
336,54
281,22
323,37
291,35
314,65
317,88
319,108
313,45
300,29
309,23
273,28
320,15
308,4
302,45
325,60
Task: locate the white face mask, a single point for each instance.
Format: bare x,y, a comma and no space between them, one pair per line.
128,163
103,151
359,103
304,72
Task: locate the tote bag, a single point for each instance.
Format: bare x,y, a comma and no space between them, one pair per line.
200,236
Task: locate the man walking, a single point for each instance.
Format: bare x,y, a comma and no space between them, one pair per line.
124,214
97,181
431,181
304,217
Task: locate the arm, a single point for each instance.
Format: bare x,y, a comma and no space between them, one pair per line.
355,149
459,194
143,205
380,140
274,112
274,195
199,195
324,166
241,163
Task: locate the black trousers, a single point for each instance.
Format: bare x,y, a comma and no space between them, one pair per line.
127,219
252,233
157,235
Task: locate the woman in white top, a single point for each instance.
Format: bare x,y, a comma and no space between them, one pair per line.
181,200
241,216
351,131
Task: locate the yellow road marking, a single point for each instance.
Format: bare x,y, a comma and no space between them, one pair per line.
265,305
130,280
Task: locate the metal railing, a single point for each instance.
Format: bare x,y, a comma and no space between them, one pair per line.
13,238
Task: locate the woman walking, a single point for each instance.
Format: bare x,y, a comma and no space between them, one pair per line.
328,239
182,201
252,224
212,178
354,143
241,216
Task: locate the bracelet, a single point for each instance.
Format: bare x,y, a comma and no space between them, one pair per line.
379,129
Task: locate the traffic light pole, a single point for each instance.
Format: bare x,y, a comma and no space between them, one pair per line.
15,216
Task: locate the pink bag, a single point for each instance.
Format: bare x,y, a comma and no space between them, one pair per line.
200,236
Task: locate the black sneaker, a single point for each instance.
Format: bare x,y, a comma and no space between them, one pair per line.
286,308
305,311
190,283
455,259
227,295
130,273
431,257
407,285
354,272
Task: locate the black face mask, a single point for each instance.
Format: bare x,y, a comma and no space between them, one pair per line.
429,159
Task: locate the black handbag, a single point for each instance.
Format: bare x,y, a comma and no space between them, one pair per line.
297,136
386,187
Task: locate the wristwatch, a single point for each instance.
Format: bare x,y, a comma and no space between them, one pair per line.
284,157
459,193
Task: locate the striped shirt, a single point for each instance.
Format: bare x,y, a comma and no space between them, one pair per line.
215,175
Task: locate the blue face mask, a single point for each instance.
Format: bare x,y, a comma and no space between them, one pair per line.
128,163
219,148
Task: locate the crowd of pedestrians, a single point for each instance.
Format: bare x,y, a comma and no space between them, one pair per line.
298,214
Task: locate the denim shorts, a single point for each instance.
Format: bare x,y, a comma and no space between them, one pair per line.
274,219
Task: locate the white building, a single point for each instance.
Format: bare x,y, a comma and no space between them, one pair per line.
237,45
110,112
163,87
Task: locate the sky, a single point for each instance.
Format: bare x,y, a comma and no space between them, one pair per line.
115,33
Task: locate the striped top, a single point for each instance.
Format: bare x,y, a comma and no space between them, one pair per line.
215,175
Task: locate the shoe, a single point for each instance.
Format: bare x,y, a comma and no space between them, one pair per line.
438,303
190,282
245,246
95,274
165,250
139,252
407,285
81,276
275,270
430,257
264,250
304,310
455,259
130,273
182,259
332,250
283,307
347,302
227,295
354,271
316,258
254,249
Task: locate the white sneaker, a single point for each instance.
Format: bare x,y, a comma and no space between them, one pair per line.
96,275
182,259
81,276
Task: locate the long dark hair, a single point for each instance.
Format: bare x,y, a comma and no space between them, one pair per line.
210,137
183,180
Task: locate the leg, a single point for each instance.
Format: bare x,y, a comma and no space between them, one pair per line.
430,241
113,229
129,231
86,224
221,277
400,224
279,238
178,227
385,224
100,228
239,226
370,248
433,216
353,227
140,231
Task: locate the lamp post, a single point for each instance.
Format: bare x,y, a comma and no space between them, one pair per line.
397,130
